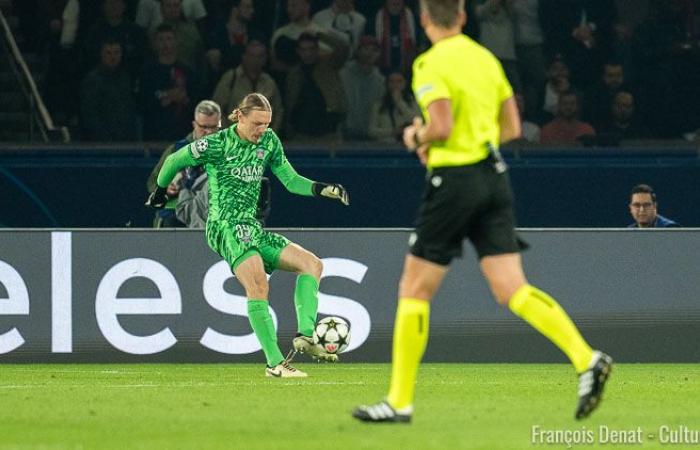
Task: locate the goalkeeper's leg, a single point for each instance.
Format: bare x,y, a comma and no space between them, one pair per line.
250,273
295,258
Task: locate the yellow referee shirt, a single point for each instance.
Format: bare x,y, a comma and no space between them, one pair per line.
464,72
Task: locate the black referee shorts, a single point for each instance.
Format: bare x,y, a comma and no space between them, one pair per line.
462,202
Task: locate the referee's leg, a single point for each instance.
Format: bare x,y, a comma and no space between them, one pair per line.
510,287
419,282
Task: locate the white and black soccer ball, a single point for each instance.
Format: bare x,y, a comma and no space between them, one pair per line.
333,334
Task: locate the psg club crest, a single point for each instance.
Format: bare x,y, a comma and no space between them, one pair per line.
260,152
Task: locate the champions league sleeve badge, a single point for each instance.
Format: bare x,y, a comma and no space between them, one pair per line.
199,147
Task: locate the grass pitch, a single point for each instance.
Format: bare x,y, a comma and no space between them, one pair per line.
233,406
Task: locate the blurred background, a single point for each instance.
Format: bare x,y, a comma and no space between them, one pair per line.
92,92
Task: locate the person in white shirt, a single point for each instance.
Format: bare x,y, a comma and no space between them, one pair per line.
148,14
342,17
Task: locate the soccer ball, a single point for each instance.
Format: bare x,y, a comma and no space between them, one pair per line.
332,334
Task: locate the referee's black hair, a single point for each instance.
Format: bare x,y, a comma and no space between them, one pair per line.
644,189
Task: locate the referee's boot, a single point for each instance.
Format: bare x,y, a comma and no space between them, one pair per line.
284,370
591,384
382,412
305,344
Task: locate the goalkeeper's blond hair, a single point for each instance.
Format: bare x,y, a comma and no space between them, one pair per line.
251,102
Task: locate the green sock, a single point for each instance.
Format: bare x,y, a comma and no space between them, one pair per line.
261,321
306,302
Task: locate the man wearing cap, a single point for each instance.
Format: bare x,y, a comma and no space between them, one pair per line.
364,85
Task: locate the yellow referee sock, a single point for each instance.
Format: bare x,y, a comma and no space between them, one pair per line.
543,312
410,339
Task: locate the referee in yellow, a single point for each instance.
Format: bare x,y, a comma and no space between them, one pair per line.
470,110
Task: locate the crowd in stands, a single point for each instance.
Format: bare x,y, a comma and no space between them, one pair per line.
340,70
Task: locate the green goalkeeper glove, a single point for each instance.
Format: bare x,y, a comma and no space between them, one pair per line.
158,198
332,191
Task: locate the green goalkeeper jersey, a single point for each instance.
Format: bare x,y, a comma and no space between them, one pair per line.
234,168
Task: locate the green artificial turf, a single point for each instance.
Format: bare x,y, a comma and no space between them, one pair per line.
188,406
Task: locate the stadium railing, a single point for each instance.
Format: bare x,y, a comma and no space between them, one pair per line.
39,114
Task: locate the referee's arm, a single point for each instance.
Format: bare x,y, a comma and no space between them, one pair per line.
438,128
509,120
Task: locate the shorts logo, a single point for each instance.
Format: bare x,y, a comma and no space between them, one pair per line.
436,181
243,233
412,239
199,147
260,152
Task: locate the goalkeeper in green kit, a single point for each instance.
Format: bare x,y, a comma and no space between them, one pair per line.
235,159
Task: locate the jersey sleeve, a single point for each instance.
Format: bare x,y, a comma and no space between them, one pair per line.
277,156
172,165
201,151
284,171
292,181
428,84
207,149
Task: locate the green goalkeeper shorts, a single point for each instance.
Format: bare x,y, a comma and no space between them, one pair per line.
236,242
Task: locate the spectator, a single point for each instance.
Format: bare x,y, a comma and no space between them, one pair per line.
167,88
530,130
394,111
630,14
114,25
643,208
529,51
558,81
283,46
597,100
249,77
270,15
566,129
316,101
190,48
581,32
364,85
192,207
395,28
624,123
149,14
107,99
207,120
228,41
666,67
496,34
62,76
342,17
41,21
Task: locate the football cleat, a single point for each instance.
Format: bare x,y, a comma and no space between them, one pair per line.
382,412
591,384
305,344
284,370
